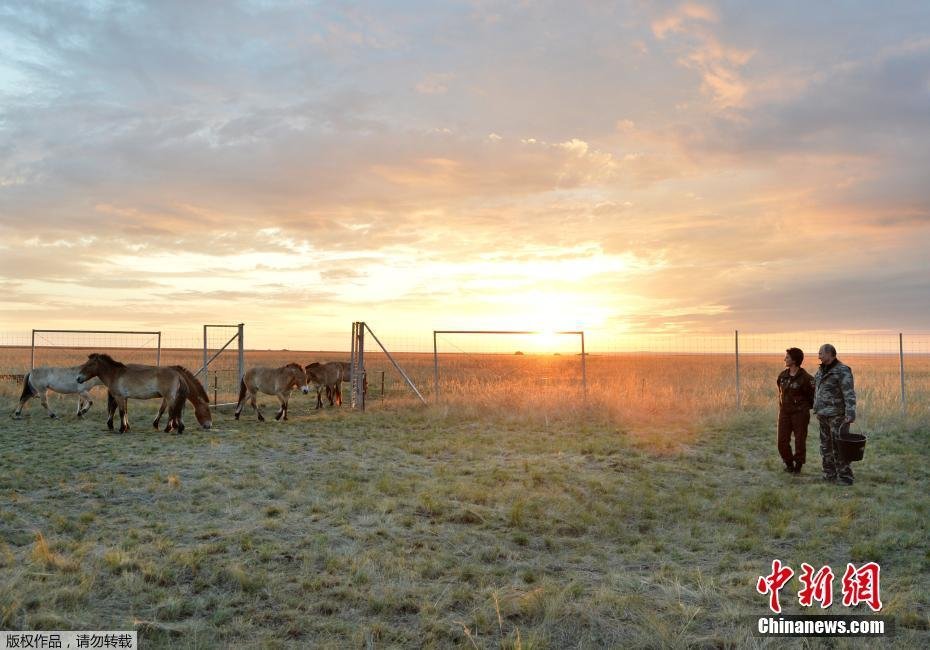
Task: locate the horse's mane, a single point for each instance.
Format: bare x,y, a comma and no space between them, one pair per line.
106,358
193,385
315,364
295,366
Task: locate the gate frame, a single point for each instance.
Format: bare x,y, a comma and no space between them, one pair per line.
584,371
240,327
32,357
357,365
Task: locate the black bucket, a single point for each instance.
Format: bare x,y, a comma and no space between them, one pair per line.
850,445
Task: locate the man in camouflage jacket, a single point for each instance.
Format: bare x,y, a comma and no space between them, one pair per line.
834,405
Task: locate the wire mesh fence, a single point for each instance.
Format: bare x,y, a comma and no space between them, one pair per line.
645,373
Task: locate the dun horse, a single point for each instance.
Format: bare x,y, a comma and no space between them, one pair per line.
196,395
39,381
138,382
272,381
329,377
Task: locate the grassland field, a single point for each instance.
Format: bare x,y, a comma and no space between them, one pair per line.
506,516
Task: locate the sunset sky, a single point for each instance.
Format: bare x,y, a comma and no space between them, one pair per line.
608,166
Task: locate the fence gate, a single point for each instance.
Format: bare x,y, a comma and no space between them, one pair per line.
71,347
222,370
358,365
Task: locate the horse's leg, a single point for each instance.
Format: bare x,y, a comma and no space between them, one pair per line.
254,403
242,395
123,404
111,409
175,412
281,411
19,409
84,403
43,395
319,397
337,392
161,410
27,394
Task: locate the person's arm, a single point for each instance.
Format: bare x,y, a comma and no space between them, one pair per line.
809,390
849,394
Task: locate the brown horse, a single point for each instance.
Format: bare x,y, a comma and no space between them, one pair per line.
329,377
138,382
196,395
272,381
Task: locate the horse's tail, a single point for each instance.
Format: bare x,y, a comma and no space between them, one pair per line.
242,391
183,394
28,390
176,408
194,387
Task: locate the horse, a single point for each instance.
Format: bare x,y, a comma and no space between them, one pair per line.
39,381
139,382
196,395
325,376
329,376
272,381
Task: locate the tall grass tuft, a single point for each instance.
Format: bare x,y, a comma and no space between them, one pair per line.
43,555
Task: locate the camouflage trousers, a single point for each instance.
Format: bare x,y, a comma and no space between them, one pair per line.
833,464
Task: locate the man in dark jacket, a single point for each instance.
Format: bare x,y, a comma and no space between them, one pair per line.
795,399
835,405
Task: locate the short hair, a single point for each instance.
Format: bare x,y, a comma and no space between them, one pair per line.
796,354
826,347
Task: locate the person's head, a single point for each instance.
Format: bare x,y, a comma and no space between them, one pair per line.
794,357
827,353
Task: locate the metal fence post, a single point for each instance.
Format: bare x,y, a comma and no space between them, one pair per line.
901,360
584,370
435,367
32,360
241,355
738,396
360,371
206,371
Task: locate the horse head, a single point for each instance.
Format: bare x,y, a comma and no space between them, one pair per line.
298,377
96,363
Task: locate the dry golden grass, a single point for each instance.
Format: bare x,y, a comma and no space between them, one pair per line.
673,389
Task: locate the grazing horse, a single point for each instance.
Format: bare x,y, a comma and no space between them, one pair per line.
139,382
329,377
273,381
39,381
196,395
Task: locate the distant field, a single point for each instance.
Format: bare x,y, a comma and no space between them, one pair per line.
464,525
618,385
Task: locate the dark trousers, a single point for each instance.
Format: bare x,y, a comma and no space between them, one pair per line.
793,422
834,465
